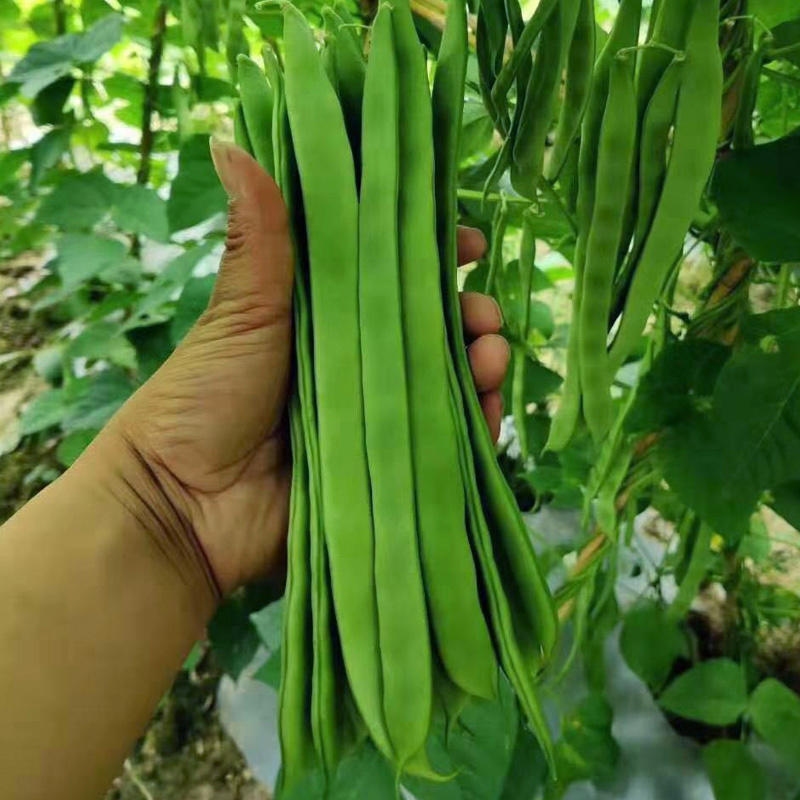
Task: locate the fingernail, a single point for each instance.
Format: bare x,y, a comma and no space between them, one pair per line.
498,311
228,164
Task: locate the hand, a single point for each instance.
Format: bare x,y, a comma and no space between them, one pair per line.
210,424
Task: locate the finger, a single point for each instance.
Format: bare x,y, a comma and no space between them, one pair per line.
481,314
492,405
488,357
257,268
471,245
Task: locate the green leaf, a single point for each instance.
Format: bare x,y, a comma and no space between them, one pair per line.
171,280
196,192
679,381
719,462
153,347
193,659
73,445
528,769
139,209
774,12
712,691
48,105
99,39
95,399
650,643
270,671
47,152
268,622
734,773
191,304
754,190
81,256
103,340
587,749
478,749
786,502
775,713
78,202
46,410
48,61
233,636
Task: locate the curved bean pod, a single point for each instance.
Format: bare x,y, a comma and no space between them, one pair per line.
327,178
537,112
257,104
623,34
694,147
404,639
580,63
615,161
513,542
462,637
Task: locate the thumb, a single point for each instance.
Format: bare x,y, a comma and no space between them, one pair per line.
257,269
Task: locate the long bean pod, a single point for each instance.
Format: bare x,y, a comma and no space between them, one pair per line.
623,34
462,637
537,112
327,178
257,102
580,64
615,162
404,638
694,146
513,543
653,149
522,49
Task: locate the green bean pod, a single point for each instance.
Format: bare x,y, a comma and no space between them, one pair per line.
656,127
514,548
404,639
615,162
516,664
537,113
462,637
580,63
694,147
349,70
294,729
240,129
327,179
257,102
669,27
522,49
623,34
743,124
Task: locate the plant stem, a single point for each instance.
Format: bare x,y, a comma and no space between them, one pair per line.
474,194
784,286
151,93
59,12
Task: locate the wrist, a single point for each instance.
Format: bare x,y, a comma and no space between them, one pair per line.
120,475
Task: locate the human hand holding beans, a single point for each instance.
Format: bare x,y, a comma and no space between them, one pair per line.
210,425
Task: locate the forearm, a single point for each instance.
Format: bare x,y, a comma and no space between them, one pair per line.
102,592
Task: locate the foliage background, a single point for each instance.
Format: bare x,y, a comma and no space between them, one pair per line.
673,550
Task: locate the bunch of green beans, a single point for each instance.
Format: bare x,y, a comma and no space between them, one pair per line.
412,579
648,142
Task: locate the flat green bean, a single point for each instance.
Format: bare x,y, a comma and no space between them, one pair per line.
656,127
514,546
623,34
463,643
327,178
580,63
538,109
257,104
694,147
522,49
402,616
615,163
